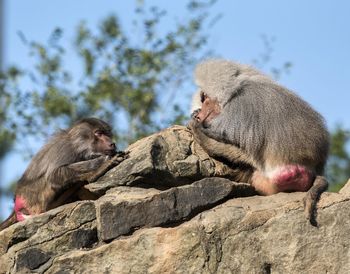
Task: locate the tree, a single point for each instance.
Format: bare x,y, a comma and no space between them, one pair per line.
338,166
126,78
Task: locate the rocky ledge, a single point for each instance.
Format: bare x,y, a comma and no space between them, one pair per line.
169,208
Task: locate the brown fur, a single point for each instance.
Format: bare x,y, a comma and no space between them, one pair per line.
9,221
70,159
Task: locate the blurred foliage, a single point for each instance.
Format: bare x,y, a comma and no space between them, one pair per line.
124,75
338,166
7,133
128,78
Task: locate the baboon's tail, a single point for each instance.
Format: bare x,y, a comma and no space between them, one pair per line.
9,221
312,196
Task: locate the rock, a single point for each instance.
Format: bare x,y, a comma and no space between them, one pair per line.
242,235
46,236
157,214
125,209
346,189
164,159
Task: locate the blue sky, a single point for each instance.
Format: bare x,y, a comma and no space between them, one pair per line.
314,35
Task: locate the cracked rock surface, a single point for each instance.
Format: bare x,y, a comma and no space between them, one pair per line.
165,210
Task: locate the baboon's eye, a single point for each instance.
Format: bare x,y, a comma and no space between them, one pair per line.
98,133
203,96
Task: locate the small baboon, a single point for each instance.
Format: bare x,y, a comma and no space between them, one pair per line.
71,158
245,117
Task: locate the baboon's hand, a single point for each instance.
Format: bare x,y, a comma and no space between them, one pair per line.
119,157
195,113
104,158
107,165
193,124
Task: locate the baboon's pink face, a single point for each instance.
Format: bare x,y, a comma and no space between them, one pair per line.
209,110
